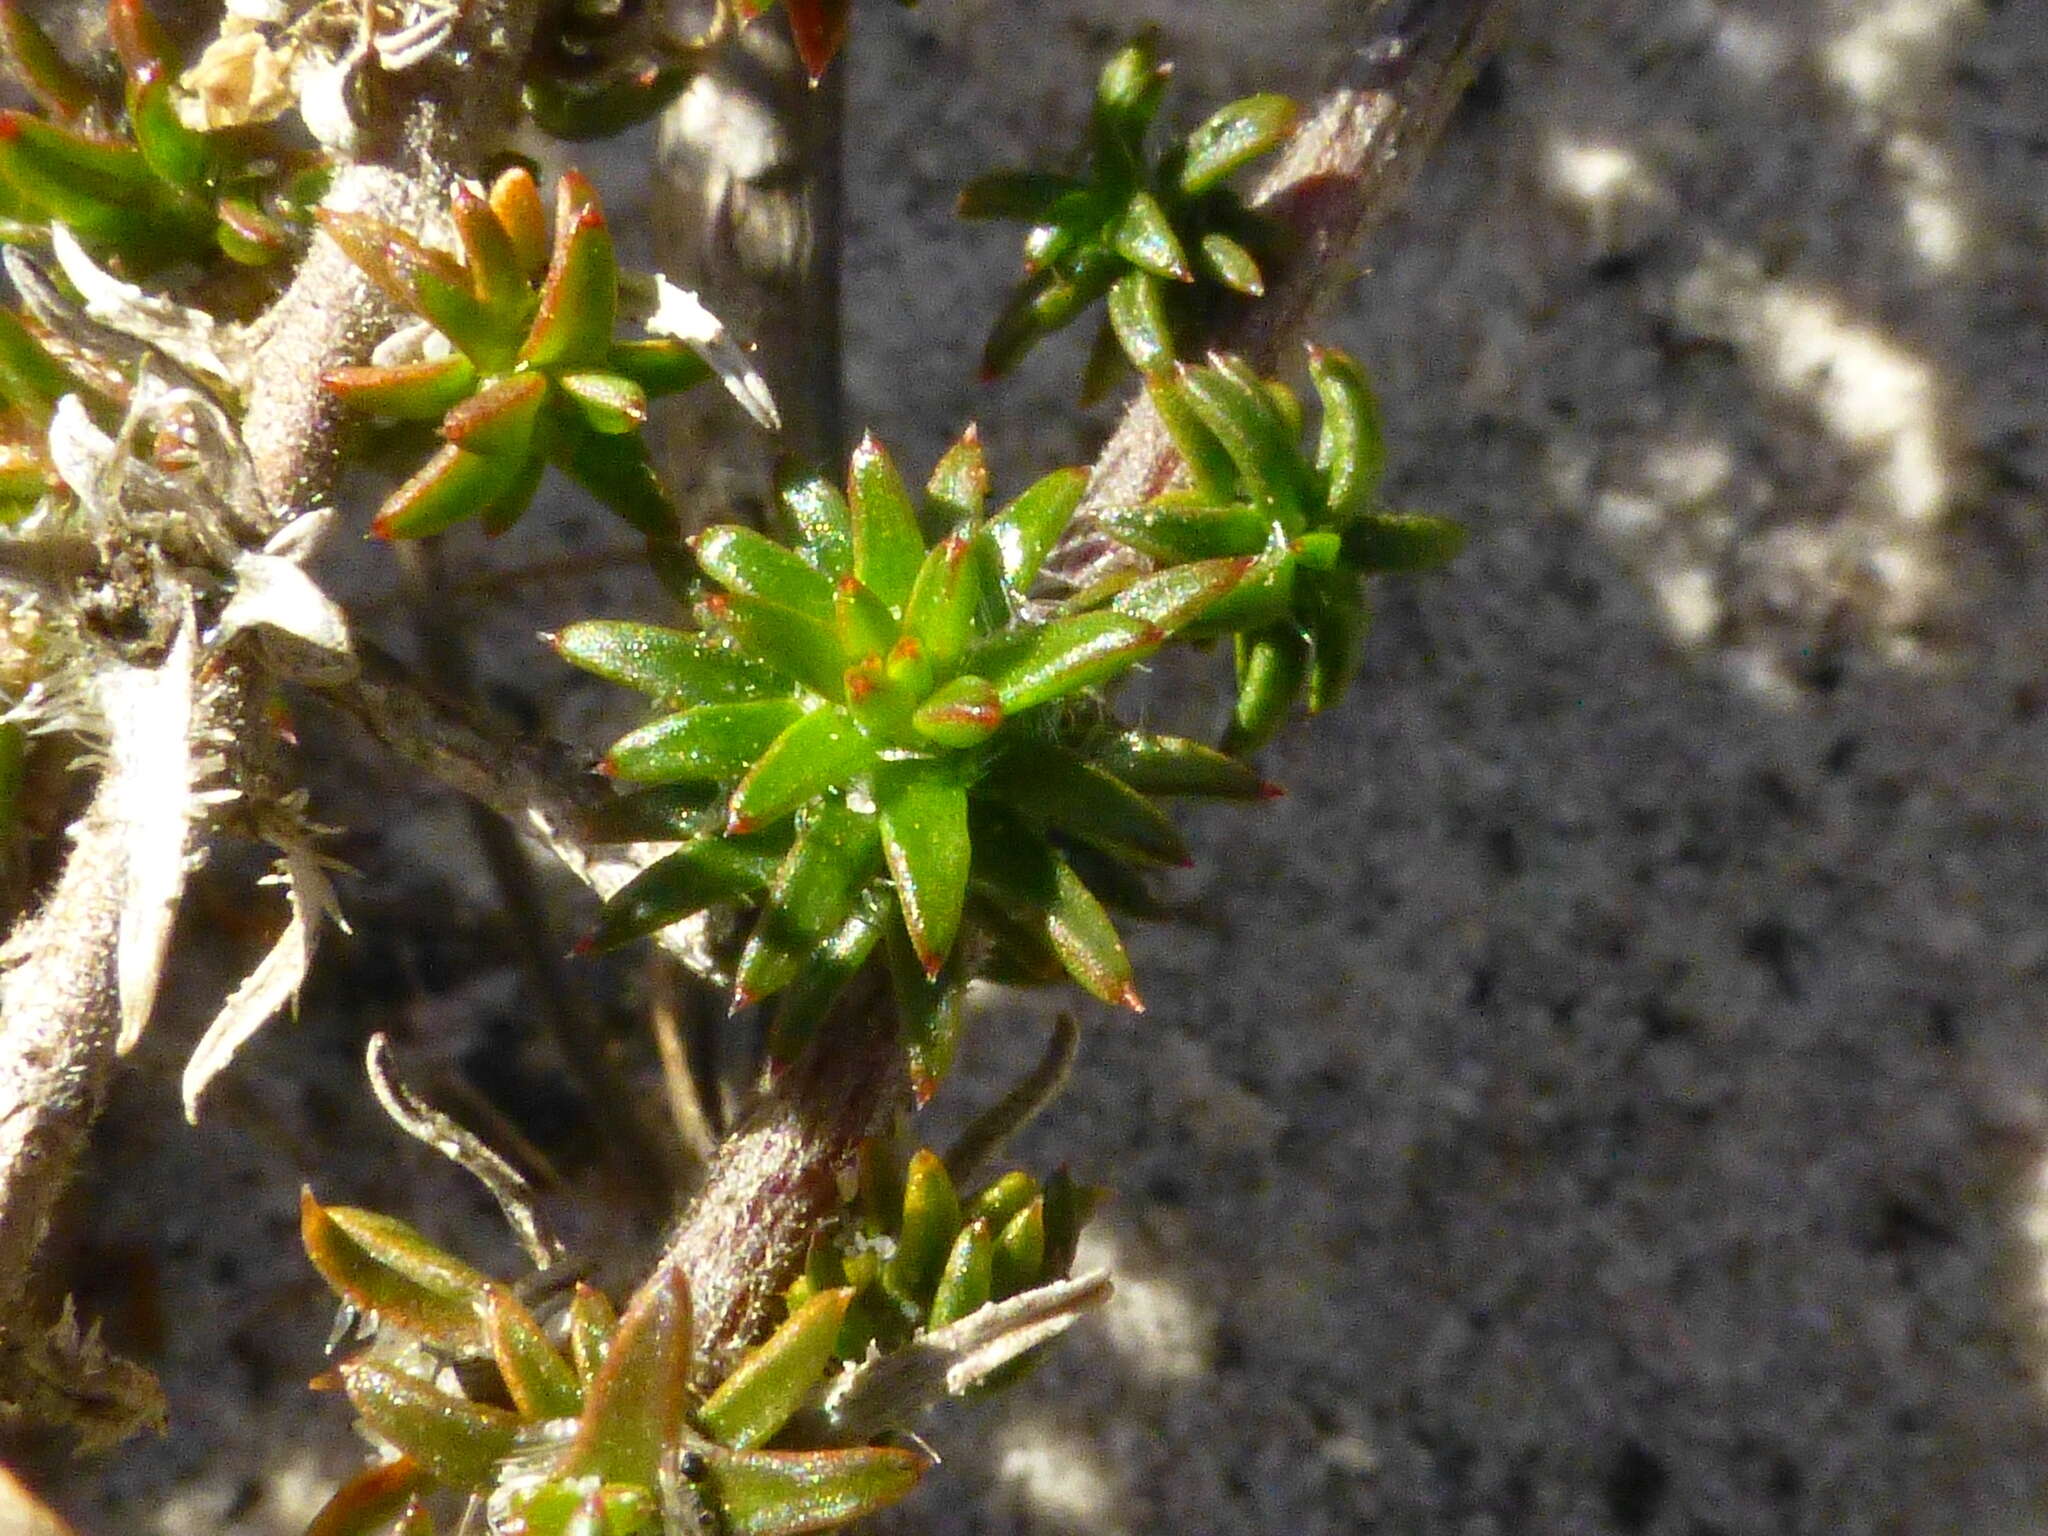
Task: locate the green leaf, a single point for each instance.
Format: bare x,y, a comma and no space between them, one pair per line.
1029,195
1144,236
660,365
515,199
1248,424
31,380
458,1441
716,742
498,420
422,391
1054,787
996,1203
1231,264
888,547
450,486
861,621
579,296
675,667
1127,95
660,813
37,63
540,1381
603,106
940,614
636,1404
818,517
496,274
1270,667
817,752
836,853
1182,595
367,1503
749,563
807,1000
592,1322
138,38
968,1279
379,1264
783,1493
1180,526
177,154
1020,1252
960,714
1351,454
436,286
1025,531
1209,463
792,643
1021,871
958,488
616,471
778,1376
1137,314
929,1010
1402,541
1334,613
1173,765
1232,137
923,809
607,402
510,504
1061,658
931,1220
1067,1208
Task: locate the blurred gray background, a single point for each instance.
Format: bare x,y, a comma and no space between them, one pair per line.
1608,1094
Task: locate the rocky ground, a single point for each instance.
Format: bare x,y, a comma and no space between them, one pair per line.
1610,1093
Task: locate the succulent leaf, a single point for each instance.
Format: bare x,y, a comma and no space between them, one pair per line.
776,1378
379,1264
458,1441
636,1404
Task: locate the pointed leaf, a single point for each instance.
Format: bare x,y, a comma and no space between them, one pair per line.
794,644
1178,527
1022,872
1334,612
888,547
1402,541
516,200
367,1503
1270,667
1173,765
785,1493
660,365
1209,463
968,1279
753,565
807,1000
1066,656
138,38
592,1322
1068,1207
634,1409
31,380
962,713
422,391
1234,136
861,621
715,742
930,1010
676,668
819,27
379,1264
817,752
177,154
661,813
579,298
38,64
458,1441
931,1221
510,504
836,853
606,104
1182,596
1025,531
1137,313
436,287
1244,419
450,486
958,488
496,274
1351,454
1144,237
923,810
1054,787
616,471
941,611
777,1377
498,420
607,403
540,1380
1231,264
818,516
1020,1253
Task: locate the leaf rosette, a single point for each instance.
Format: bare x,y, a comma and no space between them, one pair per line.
874,743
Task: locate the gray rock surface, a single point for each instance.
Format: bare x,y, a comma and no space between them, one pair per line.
1608,1094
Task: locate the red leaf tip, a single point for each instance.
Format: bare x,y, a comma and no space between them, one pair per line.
1130,999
